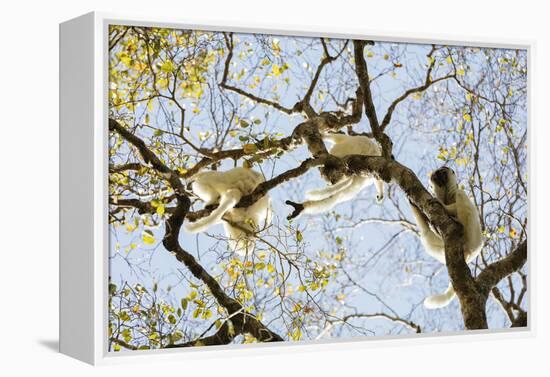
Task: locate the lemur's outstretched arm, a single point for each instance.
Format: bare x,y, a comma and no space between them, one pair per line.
228,200
298,208
379,190
451,208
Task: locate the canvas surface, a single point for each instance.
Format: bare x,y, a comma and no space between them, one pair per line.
221,130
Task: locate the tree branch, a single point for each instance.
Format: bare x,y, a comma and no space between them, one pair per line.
225,85
427,83
362,73
498,270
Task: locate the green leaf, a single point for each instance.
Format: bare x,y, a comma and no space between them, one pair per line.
167,66
184,303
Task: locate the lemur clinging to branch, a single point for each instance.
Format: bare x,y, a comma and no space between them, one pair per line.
226,189
456,202
348,187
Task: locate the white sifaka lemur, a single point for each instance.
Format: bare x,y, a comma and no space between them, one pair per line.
226,189
348,187
456,202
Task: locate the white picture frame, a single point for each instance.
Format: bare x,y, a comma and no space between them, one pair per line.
84,180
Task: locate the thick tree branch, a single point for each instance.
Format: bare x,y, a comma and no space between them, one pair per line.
362,73
224,335
148,156
498,270
124,167
521,320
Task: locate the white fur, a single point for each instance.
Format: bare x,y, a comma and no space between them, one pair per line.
347,188
467,215
227,189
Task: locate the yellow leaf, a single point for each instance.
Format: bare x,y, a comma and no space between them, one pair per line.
467,117
160,209
148,237
276,70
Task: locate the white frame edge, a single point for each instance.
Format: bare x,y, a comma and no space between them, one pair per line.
84,119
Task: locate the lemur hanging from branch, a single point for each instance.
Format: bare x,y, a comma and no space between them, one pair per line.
347,188
456,202
226,189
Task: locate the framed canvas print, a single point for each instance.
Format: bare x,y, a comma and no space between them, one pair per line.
225,187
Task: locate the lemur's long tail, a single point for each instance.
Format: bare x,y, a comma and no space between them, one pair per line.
441,300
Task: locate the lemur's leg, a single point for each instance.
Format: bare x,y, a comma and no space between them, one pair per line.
260,212
329,190
432,242
346,193
228,200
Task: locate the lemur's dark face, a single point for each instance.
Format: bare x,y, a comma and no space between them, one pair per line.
442,176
